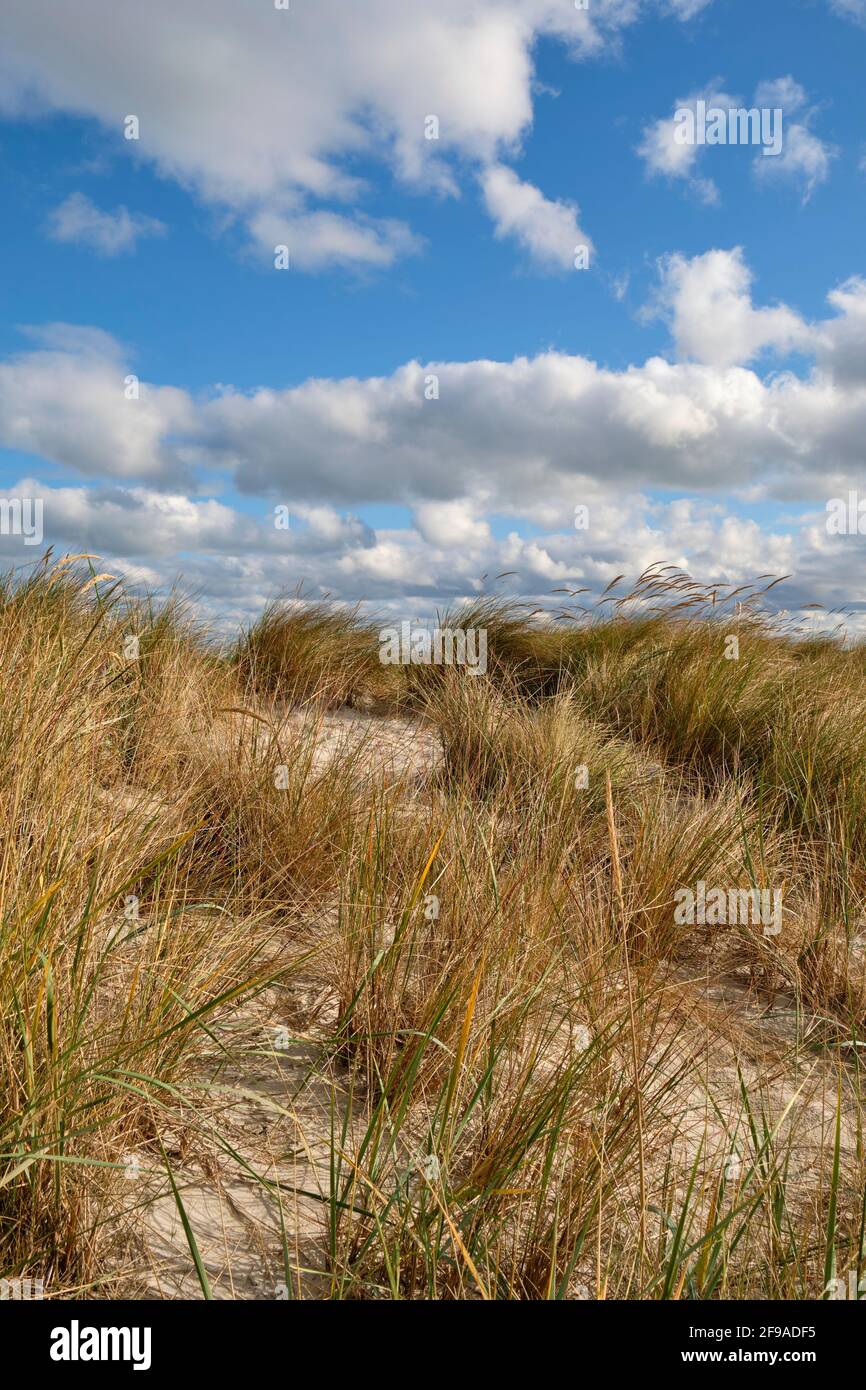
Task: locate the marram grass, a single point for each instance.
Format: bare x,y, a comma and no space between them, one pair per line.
541,1086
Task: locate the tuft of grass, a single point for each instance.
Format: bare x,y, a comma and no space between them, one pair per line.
304,652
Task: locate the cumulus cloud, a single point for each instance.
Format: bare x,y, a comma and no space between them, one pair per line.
70,400
785,92
236,561
842,345
515,436
80,221
663,154
316,240
804,159
530,438
666,156
548,230
273,108
452,525
524,435
708,301
148,524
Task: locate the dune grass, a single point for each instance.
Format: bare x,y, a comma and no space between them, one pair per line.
543,1085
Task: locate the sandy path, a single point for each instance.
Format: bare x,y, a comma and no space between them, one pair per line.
395,747
271,1104
269,1098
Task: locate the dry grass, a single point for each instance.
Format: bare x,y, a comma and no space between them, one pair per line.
318,653
544,1085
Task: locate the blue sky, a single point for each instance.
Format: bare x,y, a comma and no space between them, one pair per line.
694,386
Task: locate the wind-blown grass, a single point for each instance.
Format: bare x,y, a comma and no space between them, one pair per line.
543,1086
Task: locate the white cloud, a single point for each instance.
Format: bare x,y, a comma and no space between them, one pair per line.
708,302
619,286
805,160
236,561
665,156
783,92
524,436
687,9
850,9
67,401
529,438
319,239
272,109
842,344
548,230
452,524
79,220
